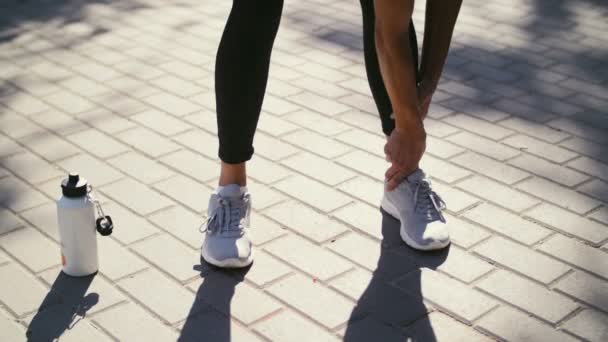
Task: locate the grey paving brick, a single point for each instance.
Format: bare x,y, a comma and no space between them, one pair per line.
481,127
498,193
193,165
136,196
49,146
30,167
353,283
318,168
181,223
25,104
272,148
580,129
588,258
84,86
152,288
305,221
264,195
8,147
440,327
589,324
361,102
129,227
464,266
31,248
205,120
274,125
147,141
461,301
265,171
131,322
307,296
586,288
539,148
522,260
200,141
312,193
591,167
16,126
463,233
600,215
11,330
141,167
172,104
316,143
365,163
539,131
500,323
120,103
475,109
361,250
507,224
44,217
9,221
490,167
97,143
266,269
96,71
363,217
569,223
161,123
289,326
322,72
23,293
69,102
215,326
371,143
549,170
186,191
96,172
319,88
456,200
50,324
364,188
169,255
278,106
362,120
176,85
317,122
441,148
529,296
587,148
595,188
116,261
523,110
310,258
484,146
264,229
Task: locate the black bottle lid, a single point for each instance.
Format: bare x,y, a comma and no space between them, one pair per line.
74,186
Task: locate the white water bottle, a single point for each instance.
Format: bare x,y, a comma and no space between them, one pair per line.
77,227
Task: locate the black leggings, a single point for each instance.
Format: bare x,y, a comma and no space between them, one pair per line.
241,72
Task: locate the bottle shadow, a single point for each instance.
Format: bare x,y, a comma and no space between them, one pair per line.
391,307
62,308
209,316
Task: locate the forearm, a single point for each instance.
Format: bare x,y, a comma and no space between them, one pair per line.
438,28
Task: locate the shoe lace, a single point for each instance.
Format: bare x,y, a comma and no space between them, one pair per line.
227,216
427,202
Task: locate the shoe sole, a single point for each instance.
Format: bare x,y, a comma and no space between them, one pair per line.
392,211
228,263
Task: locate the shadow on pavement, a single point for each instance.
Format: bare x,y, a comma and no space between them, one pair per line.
209,316
383,310
62,308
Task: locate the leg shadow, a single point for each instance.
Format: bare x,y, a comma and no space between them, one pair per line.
384,310
62,308
209,317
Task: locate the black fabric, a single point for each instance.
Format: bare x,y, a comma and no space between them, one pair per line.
241,72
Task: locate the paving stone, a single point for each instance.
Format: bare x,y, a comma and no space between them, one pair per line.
214,326
161,123
129,226
16,126
461,301
141,167
172,104
539,131
96,71
19,196
589,324
31,248
321,72
371,143
507,224
30,167
362,120
265,171
353,283
131,322
97,143
586,288
147,141
44,218
9,221
84,86
289,326
490,167
272,148
200,141
50,324
318,168
569,223
8,147
176,85
580,129
527,295
186,191
484,146
265,229
554,172
364,189
541,149
205,120
523,110
266,269
365,163
278,106
152,288
442,170
11,330
56,121
136,196
181,223
587,148
370,328
595,188
96,172
522,260
364,251
169,255
440,327
275,126
475,109
455,199
600,215
317,122
464,266
25,104
312,193
312,259
588,258
590,166
438,128
116,261
308,296
498,193
49,146
193,165
501,321
481,127
364,218
305,221
233,297
122,104
441,148
69,102
463,233
23,293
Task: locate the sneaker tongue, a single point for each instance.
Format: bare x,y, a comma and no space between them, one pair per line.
231,191
417,176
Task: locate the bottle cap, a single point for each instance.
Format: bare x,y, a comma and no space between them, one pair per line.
74,186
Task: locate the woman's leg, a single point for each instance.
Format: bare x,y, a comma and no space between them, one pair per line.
374,77
241,74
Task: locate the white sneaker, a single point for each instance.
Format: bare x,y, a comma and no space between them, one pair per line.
418,207
227,242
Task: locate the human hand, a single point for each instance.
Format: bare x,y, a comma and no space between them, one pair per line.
426,89
404,149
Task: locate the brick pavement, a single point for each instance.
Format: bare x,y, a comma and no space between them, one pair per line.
122,91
